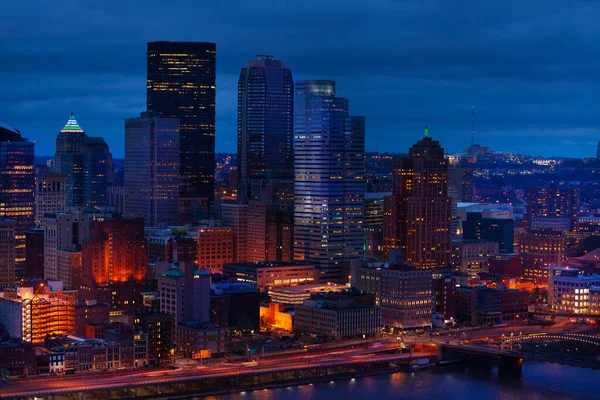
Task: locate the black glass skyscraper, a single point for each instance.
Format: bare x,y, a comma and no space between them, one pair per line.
181,84
265,126
69,159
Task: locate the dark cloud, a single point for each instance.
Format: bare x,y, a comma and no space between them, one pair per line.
529,67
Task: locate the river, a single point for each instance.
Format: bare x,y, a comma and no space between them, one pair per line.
540,381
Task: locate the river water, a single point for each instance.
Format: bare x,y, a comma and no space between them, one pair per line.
540,381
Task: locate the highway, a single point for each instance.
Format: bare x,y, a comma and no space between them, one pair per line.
376,352
76,383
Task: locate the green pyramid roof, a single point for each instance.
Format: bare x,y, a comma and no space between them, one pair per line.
72,125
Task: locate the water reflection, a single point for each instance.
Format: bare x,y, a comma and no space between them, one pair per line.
539,382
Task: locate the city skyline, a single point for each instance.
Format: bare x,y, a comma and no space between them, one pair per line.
421,65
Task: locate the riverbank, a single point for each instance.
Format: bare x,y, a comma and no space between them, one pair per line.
404,368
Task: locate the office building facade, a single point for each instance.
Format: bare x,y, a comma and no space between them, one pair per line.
418,218
181,84
152,158
329,181
265,126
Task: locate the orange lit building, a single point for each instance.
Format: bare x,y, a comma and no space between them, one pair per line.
30,314
273,316
115,251
215,248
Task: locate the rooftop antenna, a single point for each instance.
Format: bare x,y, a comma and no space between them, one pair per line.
472,125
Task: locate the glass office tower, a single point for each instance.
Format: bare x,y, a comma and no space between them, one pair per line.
329,180
151,188
265,127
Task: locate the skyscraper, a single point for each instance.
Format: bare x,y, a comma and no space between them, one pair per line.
99,171
181,84
329,182
87,164
17,188
69,159
265,126
419,211
151,188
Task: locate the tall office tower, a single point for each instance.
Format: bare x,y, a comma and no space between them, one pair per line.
598,151
69,159
265,126
99,171
7,252
554,201
181,84
17,188
151,188
329,183
50,193
115,251
419,211
236,216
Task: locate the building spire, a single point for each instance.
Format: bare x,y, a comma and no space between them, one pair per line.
72,125
426,131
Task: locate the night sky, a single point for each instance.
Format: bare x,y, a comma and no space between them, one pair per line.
530,68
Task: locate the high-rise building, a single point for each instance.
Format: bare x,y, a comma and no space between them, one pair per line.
87,164
329,181
50,194
7,252
115,251
17,188
69,160
151,188
99,171
265,126
554,201
181,84
418,218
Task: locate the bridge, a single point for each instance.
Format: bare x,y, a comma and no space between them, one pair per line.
578,350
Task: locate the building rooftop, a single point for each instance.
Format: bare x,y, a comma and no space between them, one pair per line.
270,264
310,288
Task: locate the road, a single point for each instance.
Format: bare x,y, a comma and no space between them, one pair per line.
378,352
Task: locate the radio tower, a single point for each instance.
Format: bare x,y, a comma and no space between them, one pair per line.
472,125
